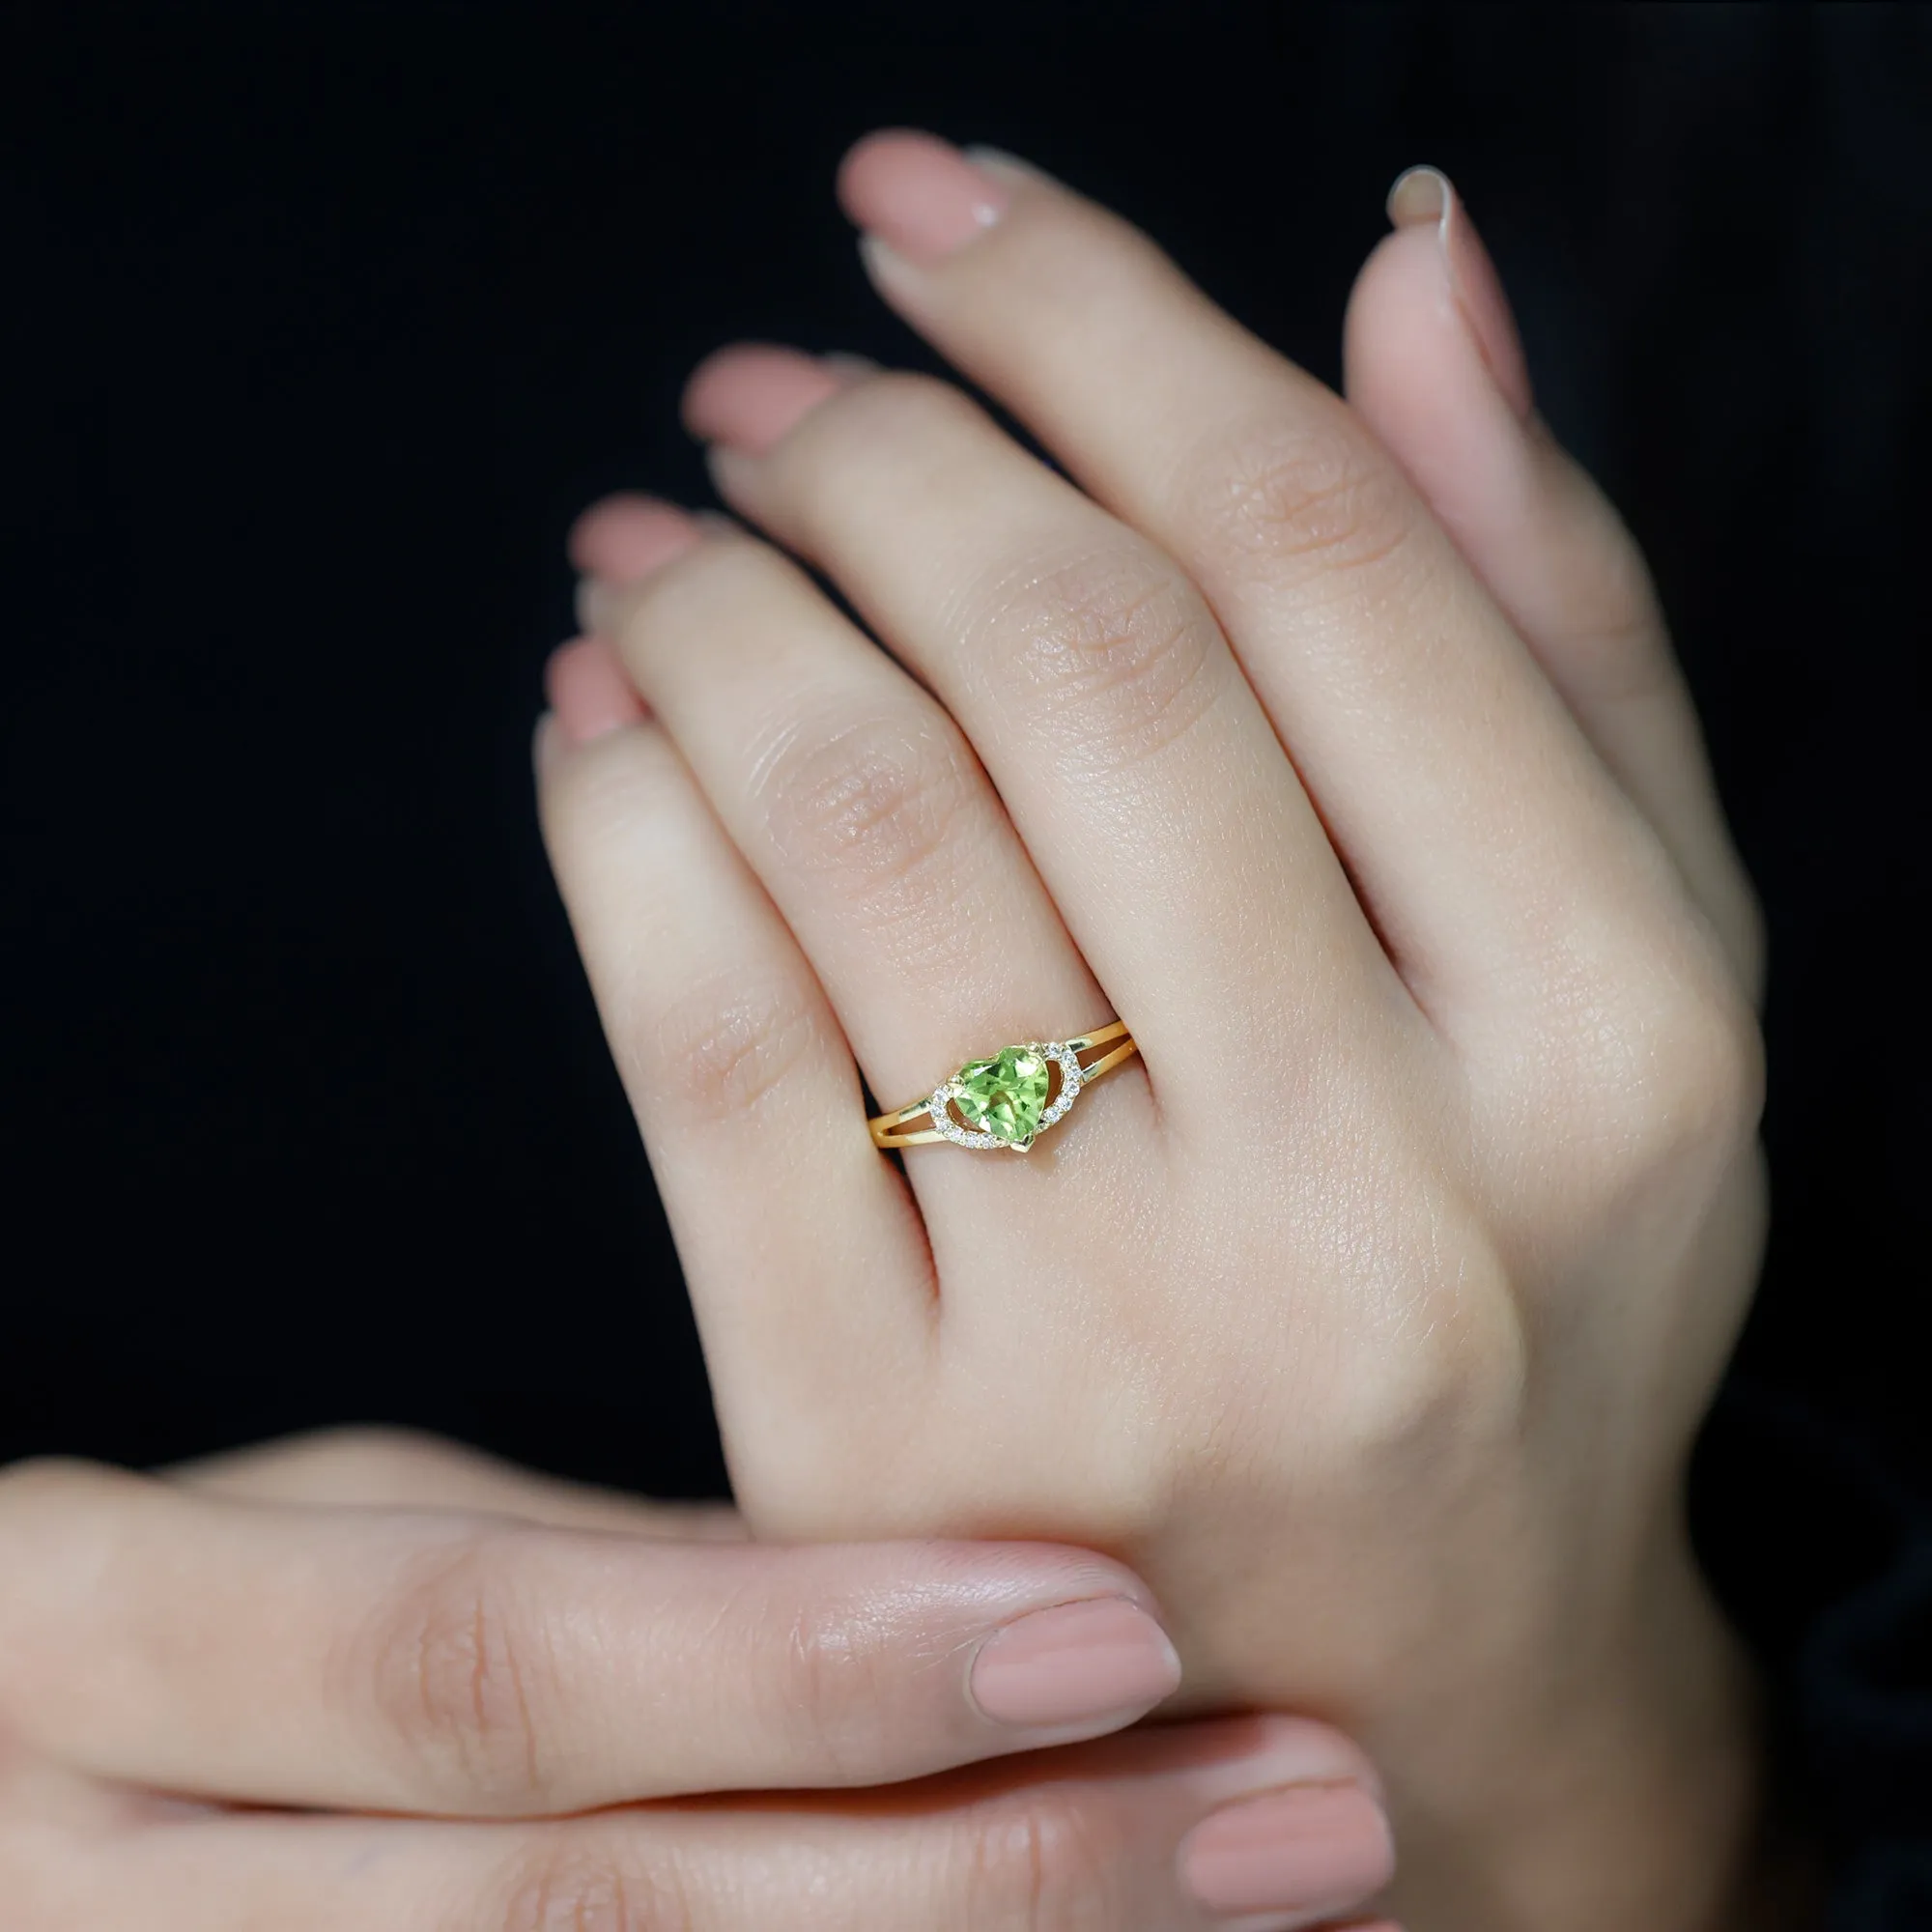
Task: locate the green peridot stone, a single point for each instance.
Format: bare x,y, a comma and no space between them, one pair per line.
1003,1096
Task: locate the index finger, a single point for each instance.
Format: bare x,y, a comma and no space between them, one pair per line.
456,1664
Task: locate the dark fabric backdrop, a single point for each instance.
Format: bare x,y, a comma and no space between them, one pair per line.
323,320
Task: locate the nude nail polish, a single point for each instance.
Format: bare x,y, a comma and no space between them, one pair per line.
1076,1663
1314,1848
1426,195
623,539
589,694
919,194
749,396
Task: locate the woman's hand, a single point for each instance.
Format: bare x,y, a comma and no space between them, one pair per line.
370,1682
1338,750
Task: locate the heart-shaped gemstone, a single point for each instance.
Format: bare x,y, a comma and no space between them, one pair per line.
1005,1095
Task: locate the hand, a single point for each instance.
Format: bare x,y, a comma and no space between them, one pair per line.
1338,750
368,1682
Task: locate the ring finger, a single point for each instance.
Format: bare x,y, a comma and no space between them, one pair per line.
852,795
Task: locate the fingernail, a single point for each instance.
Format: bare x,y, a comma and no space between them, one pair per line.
919,194
749,396
1426,195
1312,1848
624,538
1075,1664
1419,195
589,694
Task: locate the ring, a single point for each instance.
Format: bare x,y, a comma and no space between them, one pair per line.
1009,1098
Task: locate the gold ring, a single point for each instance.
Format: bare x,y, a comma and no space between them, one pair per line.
1011,1096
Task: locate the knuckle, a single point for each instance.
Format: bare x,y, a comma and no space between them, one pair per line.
1711,1075
1611,638
1110,650
1049,1861
1420,1331
827,1689
570,1881
1295,499
458,1675
722,1049
1451,1377
1606,635
1663,1089
868,808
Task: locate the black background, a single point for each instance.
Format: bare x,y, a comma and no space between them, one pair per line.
321,324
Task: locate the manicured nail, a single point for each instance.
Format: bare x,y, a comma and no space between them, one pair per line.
1076,1663
1425,194
624,538
589,694
919,194
1419,195
1314,1848
749,396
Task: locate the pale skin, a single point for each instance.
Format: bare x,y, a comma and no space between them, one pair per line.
1337,748
1336,745
366,1681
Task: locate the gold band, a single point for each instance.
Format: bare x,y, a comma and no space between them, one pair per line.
1018,1093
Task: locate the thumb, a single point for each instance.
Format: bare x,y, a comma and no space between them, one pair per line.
1434,365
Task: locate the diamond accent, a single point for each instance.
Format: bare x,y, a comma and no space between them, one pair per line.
1070,1080
941,1113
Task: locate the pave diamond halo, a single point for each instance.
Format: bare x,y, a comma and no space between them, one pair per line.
1008,1098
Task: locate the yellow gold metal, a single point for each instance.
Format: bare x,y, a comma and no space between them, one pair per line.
1111,1042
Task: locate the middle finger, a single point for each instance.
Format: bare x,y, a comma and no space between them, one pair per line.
1136,762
